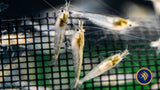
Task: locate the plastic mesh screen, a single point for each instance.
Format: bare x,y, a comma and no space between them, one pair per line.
27,47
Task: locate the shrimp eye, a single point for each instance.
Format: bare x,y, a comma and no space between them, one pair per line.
130,25
77,29
61,10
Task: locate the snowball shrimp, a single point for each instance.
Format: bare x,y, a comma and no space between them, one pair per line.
108,22
60,27
104,66
77,51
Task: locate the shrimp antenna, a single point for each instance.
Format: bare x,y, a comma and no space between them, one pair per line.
67,4
127,47
81,24
69,1
50,5
135,62
148,0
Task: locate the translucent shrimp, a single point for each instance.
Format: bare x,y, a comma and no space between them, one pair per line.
77,51
104,66
60,27
109,22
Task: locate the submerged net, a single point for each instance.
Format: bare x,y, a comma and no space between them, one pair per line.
27,48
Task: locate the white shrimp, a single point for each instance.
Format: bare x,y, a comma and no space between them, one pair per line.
108,22
60,27
104,66
77,51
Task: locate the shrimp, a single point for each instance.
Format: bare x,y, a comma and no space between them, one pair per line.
108,22
77,51
104,66
60,27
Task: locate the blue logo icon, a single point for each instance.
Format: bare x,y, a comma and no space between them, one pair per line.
144,76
